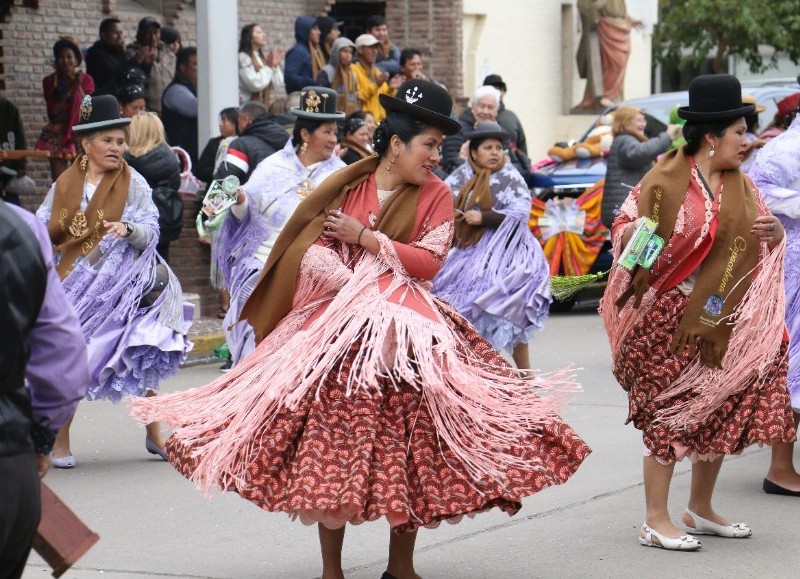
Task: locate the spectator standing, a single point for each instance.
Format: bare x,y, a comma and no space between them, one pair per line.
507,118
338,74
171,38
63,91
411,64
149,153
43,345
214,152
12,137
328,33
260,135
106,56
388,58
155,60
305,59
485,106
372,81
179,104
631,156
259,72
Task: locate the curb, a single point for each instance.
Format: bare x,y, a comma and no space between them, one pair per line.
203,350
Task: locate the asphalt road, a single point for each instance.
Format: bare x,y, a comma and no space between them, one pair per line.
153,523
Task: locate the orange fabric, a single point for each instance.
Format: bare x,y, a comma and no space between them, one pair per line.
570,253
615,48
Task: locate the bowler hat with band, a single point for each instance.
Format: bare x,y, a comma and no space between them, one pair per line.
425,101
318,103
98,113
487,130
496,81
714,98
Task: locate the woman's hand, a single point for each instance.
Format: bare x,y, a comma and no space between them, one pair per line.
343,227
473,217
116,228
241,196
768,228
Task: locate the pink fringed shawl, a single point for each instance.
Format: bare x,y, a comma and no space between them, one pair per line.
345,296
758,319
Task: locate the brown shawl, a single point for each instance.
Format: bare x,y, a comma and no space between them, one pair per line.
73,232
476,191
272,297
345,79
317,59
727,269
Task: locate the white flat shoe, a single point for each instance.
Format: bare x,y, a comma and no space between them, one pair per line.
62,461
705,527
682,543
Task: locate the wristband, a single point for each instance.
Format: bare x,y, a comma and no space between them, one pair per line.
358,241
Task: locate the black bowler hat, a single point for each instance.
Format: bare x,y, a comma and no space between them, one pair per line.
318,104
715,97
496,81
425,101
488,130
100,112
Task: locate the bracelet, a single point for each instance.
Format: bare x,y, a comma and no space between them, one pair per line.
358,241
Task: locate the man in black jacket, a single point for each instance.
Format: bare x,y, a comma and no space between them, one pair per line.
42,344
179,103
260,135
106,57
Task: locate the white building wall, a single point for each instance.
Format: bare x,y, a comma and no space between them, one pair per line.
532,45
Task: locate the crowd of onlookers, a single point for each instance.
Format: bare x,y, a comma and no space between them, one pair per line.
154,79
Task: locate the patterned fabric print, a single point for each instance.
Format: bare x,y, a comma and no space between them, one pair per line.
339,459
645,367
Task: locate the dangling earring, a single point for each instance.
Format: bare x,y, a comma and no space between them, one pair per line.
82,163
119,166
303,148
711,152
390,163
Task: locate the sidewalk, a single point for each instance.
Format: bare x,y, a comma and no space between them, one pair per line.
206,334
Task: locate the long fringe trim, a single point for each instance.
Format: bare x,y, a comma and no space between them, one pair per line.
481,412
754,345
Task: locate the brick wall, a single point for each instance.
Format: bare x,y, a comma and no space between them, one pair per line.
27,36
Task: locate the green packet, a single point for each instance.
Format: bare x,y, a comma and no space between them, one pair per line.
644,246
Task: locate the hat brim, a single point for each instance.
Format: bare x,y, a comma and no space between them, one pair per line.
446,124
687,114
318,116
499,135
101,125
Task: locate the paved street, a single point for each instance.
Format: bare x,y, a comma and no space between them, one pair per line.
153,523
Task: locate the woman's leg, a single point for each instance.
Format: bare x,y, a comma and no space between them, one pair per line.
330,543
704,479
401,556
61,444
657,478
781,469
154,428
522,358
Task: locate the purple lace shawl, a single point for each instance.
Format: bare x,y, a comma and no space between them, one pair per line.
271,200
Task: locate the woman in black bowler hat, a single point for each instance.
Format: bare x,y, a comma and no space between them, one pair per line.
696,339
366,397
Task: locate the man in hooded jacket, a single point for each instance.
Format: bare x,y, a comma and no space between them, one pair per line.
298,68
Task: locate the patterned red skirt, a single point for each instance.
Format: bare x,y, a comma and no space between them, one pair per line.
759,414
340,459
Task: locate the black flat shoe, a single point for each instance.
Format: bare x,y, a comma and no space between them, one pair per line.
772,489
387,575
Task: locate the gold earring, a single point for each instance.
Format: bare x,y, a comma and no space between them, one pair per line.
119,166
711,152
303,148
390,163
84,160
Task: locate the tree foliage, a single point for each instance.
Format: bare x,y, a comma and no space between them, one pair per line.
699,29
